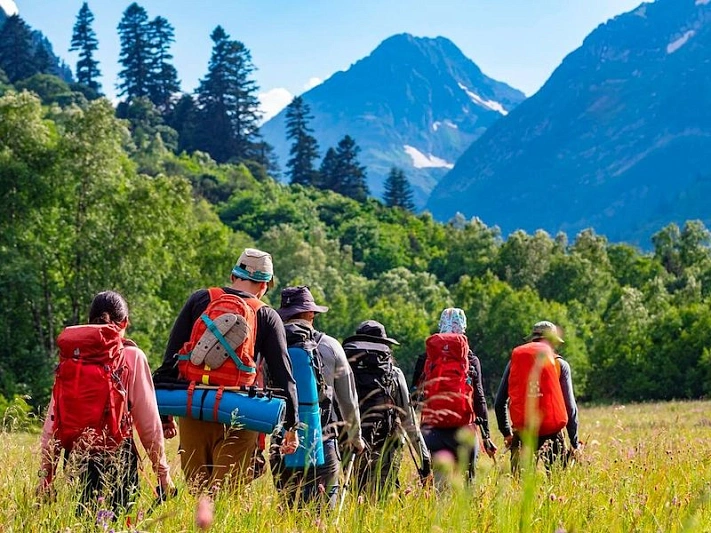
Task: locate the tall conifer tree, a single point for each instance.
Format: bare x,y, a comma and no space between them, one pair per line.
227,100
398,192
350,174
163,75
17,54
136,53
328,172
304,148
85,42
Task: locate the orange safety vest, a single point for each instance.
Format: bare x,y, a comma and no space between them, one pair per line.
535,396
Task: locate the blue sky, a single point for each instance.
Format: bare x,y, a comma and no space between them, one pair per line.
297,43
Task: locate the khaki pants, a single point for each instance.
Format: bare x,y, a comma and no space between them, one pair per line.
211,451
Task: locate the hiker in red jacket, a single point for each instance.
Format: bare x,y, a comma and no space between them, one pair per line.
537,373
449,382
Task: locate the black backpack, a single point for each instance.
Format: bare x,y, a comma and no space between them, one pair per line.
376,384
307,338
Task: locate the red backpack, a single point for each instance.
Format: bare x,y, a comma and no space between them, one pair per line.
220,350
91,408
447,388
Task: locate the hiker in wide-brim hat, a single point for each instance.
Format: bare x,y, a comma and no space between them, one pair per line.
299,485
387,417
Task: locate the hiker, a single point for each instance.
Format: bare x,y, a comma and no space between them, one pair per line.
335,385
212,451
92,413
387,418
555,406
449,381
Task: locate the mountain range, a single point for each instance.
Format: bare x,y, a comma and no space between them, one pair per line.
415,103
618,139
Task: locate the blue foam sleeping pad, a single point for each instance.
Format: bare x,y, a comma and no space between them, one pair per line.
310,450
254,413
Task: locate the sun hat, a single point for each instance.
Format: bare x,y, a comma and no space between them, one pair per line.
295,300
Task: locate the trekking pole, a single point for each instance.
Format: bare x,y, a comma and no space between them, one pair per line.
346,485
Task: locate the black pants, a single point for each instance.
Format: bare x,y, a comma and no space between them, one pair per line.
109,480
445,439
376,470
549,448
318,483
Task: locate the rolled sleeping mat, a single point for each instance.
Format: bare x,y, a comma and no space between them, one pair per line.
262,414
310,450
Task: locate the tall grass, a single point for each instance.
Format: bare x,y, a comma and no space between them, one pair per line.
645,468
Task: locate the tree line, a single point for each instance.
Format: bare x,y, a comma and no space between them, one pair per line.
221,118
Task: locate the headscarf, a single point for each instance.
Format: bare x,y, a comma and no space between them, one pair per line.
453,320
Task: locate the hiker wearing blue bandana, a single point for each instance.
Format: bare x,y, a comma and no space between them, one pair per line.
211,451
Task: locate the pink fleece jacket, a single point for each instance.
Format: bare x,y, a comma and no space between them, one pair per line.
144,411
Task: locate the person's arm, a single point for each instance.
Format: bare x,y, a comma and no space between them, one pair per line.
271,345
49,450
344,389
409,423
566,385
501,404
180,334
480,408
146,420
419,370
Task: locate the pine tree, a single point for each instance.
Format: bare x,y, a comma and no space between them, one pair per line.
84,40
350,175
163,75
227,100
398,192
304,148
328,173
17,54
136,53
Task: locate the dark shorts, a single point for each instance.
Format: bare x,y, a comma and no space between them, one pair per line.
445,439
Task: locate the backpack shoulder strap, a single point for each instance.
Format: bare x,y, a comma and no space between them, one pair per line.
215,292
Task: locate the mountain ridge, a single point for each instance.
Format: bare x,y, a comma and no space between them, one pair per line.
619,129
414,102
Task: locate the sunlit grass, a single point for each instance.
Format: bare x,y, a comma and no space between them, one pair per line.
645,468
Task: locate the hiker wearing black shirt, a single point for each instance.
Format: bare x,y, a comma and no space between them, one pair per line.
211,450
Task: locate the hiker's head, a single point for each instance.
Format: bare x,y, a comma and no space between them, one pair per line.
298,302
546,331
109,307
372,330
453,320
253,272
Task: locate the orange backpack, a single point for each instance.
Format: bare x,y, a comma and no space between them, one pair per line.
221,346
535,396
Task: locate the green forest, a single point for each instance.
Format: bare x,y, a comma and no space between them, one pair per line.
157,196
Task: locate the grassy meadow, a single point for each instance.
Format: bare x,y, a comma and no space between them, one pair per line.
645,467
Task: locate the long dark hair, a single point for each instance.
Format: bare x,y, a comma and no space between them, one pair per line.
108,307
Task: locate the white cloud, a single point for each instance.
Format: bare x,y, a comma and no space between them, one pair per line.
681,41
420,160
313,82
9,7
489,104
702,2
273,101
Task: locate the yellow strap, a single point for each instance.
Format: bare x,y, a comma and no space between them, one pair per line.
206,377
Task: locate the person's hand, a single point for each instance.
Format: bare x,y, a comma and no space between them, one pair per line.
425,472
358,445
490,448
165,491
170,428
290,443
508,441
